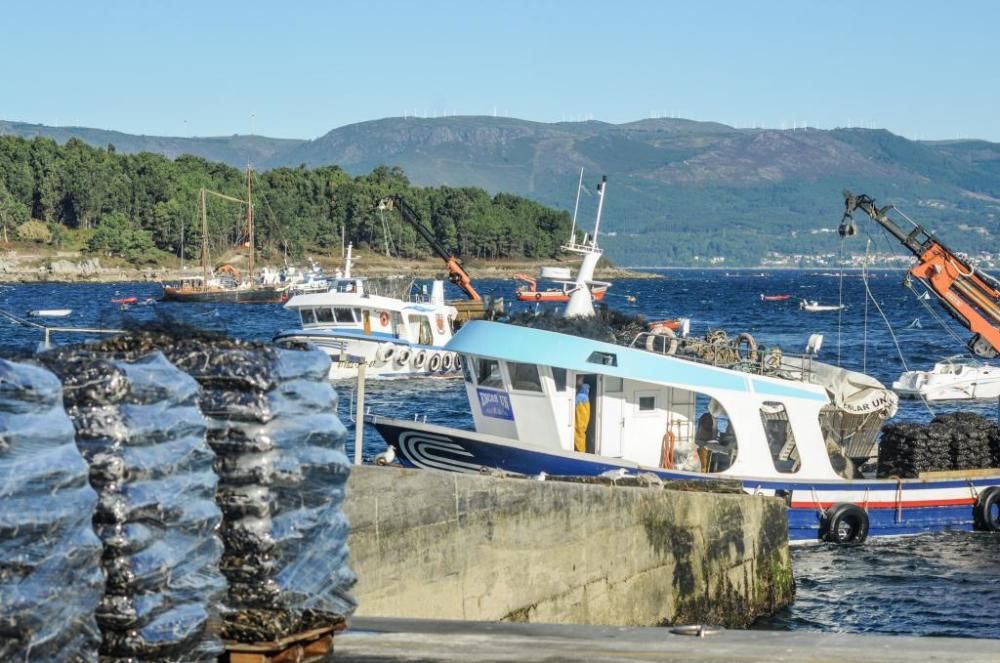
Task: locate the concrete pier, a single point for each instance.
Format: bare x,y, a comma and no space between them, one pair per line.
439,545
385,640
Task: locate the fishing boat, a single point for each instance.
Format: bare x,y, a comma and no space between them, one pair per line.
812,306
392,335
50,313
226,284
567,284
124,300
774,298
956,378
781,425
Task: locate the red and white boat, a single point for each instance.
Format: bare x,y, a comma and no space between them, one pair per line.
774,298
530,292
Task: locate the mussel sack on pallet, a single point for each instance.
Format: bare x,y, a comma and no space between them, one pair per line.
50,571
282,475
958,441
139,427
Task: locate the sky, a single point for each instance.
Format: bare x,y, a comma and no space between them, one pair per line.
297,69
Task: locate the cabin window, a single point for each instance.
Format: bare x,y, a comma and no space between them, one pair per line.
324,315
701,432
559,376
308,317
343,315
780,439
524,377
423,325
489,374
647,403
467,370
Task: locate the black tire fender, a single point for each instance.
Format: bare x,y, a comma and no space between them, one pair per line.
844,524
987,510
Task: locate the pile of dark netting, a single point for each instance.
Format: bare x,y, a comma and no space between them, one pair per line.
606,325
50,569
139,428
958,441
282,474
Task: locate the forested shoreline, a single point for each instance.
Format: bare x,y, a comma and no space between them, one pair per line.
144,208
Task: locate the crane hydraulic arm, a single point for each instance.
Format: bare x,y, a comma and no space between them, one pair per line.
969,295
456,273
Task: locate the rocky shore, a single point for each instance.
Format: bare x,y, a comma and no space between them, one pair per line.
71,267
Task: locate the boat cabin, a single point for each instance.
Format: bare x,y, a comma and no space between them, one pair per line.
650,408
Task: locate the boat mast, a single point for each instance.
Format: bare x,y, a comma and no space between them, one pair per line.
600,207
576,208
250,218
204,238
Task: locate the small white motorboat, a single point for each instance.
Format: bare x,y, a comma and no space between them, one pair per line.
812,306
50,313
952,379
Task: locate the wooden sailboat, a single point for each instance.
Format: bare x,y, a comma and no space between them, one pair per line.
225,284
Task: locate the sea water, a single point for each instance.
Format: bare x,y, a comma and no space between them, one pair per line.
933,584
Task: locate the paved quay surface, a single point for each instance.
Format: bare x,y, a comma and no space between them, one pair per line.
382,640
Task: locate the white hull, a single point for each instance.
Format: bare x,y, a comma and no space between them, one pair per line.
954,379
382,357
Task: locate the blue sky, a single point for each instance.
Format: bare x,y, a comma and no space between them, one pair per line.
298,69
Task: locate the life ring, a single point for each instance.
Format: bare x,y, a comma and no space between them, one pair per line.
385,352
844,524
383,318
987,510
447,361
538,296
663,342
434,362
419,359
748,341
402,356
667,451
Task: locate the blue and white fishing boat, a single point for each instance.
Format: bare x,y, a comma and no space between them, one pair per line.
784,426
392,336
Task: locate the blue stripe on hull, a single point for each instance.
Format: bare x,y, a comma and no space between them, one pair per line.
420,449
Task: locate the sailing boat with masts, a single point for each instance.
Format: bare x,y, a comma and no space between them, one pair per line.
226,285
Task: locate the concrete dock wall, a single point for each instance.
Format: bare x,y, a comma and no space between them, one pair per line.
440,545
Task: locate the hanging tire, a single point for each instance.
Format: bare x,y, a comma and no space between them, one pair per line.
447,361
987,510
844,524
458,362
402,356
419,359
434,362
385,352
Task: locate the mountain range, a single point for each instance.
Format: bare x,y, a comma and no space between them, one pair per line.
679,191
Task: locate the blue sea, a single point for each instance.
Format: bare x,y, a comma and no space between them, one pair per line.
934,584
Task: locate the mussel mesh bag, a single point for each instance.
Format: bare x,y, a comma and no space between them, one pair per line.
956,441
282,474
50,570
139,427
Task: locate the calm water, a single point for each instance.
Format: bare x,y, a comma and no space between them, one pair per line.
940,584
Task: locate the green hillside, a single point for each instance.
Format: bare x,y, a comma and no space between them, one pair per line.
677,188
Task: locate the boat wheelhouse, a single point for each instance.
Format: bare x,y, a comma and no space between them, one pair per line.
785,426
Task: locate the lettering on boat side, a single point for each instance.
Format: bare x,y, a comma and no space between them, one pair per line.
495,404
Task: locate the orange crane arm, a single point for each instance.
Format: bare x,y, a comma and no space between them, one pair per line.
970,296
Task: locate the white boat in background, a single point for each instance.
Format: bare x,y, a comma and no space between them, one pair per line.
50,313
393,336
952,379
812,306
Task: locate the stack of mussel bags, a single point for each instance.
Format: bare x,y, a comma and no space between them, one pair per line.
956,441
219,473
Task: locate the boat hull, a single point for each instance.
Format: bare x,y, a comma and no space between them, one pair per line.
554,295
226,296
906,506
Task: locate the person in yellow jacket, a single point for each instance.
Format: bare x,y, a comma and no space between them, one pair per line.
582,417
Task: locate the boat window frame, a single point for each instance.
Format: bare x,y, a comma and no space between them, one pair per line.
349,317
328,312
499,374
302,317
536,383
793,466
559,384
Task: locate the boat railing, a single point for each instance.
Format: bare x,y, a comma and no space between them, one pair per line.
47,331
735,354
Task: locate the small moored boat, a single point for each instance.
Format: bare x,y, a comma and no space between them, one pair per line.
812,306
956,378
774,298
50,313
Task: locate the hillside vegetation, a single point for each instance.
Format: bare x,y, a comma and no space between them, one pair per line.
680,192
141,206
